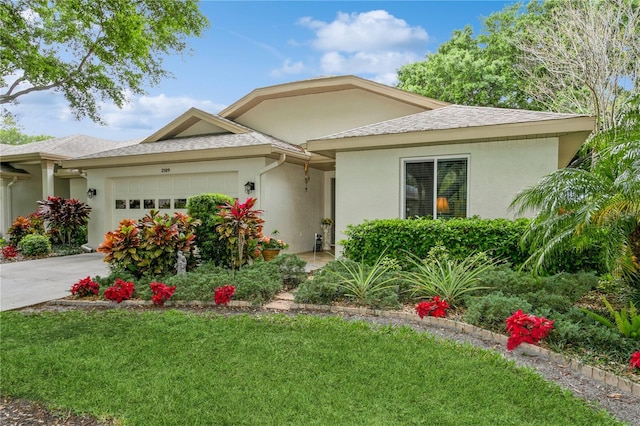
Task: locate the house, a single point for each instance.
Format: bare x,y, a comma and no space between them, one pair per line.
340,147
32,172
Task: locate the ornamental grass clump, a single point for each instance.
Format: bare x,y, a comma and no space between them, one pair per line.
525,328
363,283
121,290
433,308
85,287
160,292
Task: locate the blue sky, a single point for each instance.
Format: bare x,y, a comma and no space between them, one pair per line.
257,44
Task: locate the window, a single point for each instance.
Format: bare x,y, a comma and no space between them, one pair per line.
435,187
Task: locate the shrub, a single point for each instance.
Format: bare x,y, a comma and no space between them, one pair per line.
85,287
149,247
23,226
9,252
291,270
64,218
35,245
491,311
121,290
223,294
241,228
257,283
526,328
448,278
161,292
361,283
499,238
627,321
433,308
318,290
205,208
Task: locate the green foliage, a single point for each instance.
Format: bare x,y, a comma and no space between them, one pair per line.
291,269
65,219
499,238
322,288
150,246
11,134
362,283
475,71
491,311
23,226
627,321
450,279
205,208
92,51
258,283
35,245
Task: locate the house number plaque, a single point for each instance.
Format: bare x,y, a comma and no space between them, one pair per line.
165,170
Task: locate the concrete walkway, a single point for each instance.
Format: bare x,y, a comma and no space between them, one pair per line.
36,281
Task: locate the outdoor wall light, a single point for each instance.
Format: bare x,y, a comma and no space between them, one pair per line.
249,187
91,192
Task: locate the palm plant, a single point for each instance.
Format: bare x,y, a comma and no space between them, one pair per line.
595,202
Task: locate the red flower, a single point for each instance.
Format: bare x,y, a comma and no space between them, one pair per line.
85,287
121,290
9,252
635,360
435,308
161,292
525,328
224,294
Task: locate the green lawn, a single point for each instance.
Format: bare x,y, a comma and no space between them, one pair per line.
170,367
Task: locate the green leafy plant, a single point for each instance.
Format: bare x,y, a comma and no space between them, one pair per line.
291,269
35,245
492,310
627,321
363,283
205,208
448,278
150,246
64,218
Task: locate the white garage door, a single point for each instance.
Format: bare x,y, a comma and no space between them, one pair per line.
133,197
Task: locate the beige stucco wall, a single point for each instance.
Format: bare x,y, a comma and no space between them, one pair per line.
300,118
25,192
369,183
280,192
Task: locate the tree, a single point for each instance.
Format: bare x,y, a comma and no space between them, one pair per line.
10,133
475,71
584,57
595,204
91,50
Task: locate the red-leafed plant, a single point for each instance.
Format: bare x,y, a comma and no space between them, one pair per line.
525,328
223,294
241,227
150,246
121,290
23,226
9,252
161,292
85,287
433,308
635,361
64,218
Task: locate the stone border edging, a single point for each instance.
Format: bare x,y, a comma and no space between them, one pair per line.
595,373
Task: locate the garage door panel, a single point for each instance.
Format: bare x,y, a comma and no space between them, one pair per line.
133,196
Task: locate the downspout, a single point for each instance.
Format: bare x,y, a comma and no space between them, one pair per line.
10,201
264,170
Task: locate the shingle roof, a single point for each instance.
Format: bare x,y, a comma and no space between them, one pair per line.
195,143
68,146
450,117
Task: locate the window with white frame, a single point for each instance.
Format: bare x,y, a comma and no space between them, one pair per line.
435,187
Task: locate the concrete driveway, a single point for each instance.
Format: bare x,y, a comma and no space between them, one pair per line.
37,281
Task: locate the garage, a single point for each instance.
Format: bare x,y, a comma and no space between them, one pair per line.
133,197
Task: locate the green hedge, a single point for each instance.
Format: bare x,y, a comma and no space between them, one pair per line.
499,238
204,207
462,237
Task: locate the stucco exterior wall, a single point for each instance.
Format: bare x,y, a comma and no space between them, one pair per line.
294,212
25,192
298,119
369,183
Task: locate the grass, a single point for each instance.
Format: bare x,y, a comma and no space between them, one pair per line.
171,367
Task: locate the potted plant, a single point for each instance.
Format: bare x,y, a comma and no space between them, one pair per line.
271,246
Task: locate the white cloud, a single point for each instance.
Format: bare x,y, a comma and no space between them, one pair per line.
373,43
289,68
